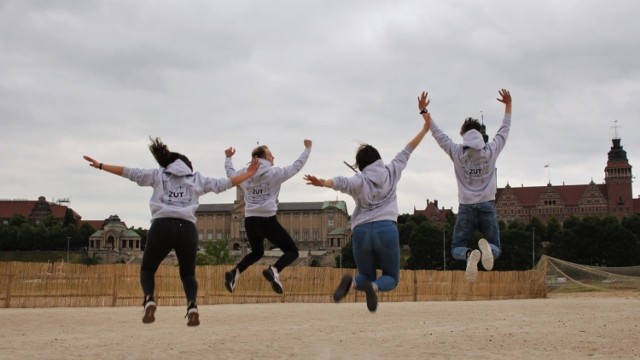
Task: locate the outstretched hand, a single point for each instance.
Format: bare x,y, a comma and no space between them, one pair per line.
308,143
312,180
92,162
253,166
229,152
505,96
423,100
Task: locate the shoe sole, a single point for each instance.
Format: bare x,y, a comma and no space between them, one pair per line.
372,298
270,278
472,266
194,319
228,279
487,254
149,314
343,288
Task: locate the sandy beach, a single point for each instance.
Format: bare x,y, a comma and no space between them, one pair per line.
589,326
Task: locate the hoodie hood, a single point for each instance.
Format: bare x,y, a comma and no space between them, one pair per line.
376,172
265,166
178,168
473,139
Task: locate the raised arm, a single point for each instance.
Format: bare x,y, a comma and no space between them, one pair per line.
505,98
423,103
251,170
114,169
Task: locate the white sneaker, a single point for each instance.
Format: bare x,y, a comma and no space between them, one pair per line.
487,254
472,266
271,274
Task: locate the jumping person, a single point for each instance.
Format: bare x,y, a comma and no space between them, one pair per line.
261,204
176,189
375,239
474,163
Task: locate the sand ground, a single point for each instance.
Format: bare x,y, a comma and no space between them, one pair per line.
583,326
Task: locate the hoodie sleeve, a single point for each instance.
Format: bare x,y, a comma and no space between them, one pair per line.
285,173
443,140
143,177
228,167
500,139
347,185
215,185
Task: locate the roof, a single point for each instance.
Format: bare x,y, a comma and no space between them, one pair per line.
8,208
569,194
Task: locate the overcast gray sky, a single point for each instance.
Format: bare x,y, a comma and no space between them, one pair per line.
100,77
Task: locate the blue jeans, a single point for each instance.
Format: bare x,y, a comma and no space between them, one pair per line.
377,244
481,216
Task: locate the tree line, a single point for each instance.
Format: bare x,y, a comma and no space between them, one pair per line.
20,234
589,241
592,241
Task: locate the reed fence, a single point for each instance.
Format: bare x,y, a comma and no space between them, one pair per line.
25,285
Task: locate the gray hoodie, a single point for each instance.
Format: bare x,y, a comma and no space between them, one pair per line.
176,189
474,161
374,189
261,191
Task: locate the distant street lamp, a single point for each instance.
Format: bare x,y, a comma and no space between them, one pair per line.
444,252
68,238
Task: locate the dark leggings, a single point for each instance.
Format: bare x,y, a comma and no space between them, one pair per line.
260,228
166,234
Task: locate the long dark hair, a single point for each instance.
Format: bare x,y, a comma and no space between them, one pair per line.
366,156
163,156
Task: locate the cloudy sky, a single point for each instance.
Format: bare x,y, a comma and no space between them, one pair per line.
100,77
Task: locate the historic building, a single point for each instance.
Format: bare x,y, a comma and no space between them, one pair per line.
37,211
614,197
115,242
312,225
435,215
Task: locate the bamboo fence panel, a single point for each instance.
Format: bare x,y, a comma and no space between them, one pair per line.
73,285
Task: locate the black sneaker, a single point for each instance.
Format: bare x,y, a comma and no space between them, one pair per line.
193,318
343,288
230,278
271,274
372,297
149,311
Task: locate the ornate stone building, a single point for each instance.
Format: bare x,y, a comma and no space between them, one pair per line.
115,242
614,197
312,225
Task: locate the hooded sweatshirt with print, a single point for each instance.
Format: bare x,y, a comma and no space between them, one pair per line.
474,161
176,189
374,189
262,190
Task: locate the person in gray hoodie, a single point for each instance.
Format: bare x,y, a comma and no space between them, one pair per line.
176,190
375,239
474,163
260,208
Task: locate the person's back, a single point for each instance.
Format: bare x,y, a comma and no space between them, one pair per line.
474,162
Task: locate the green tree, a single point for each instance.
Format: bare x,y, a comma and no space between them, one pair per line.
426,248
214,253
347,260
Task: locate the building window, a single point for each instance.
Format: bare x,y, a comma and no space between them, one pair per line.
296,235
209,235
219,235
331,224
316,234
305,235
